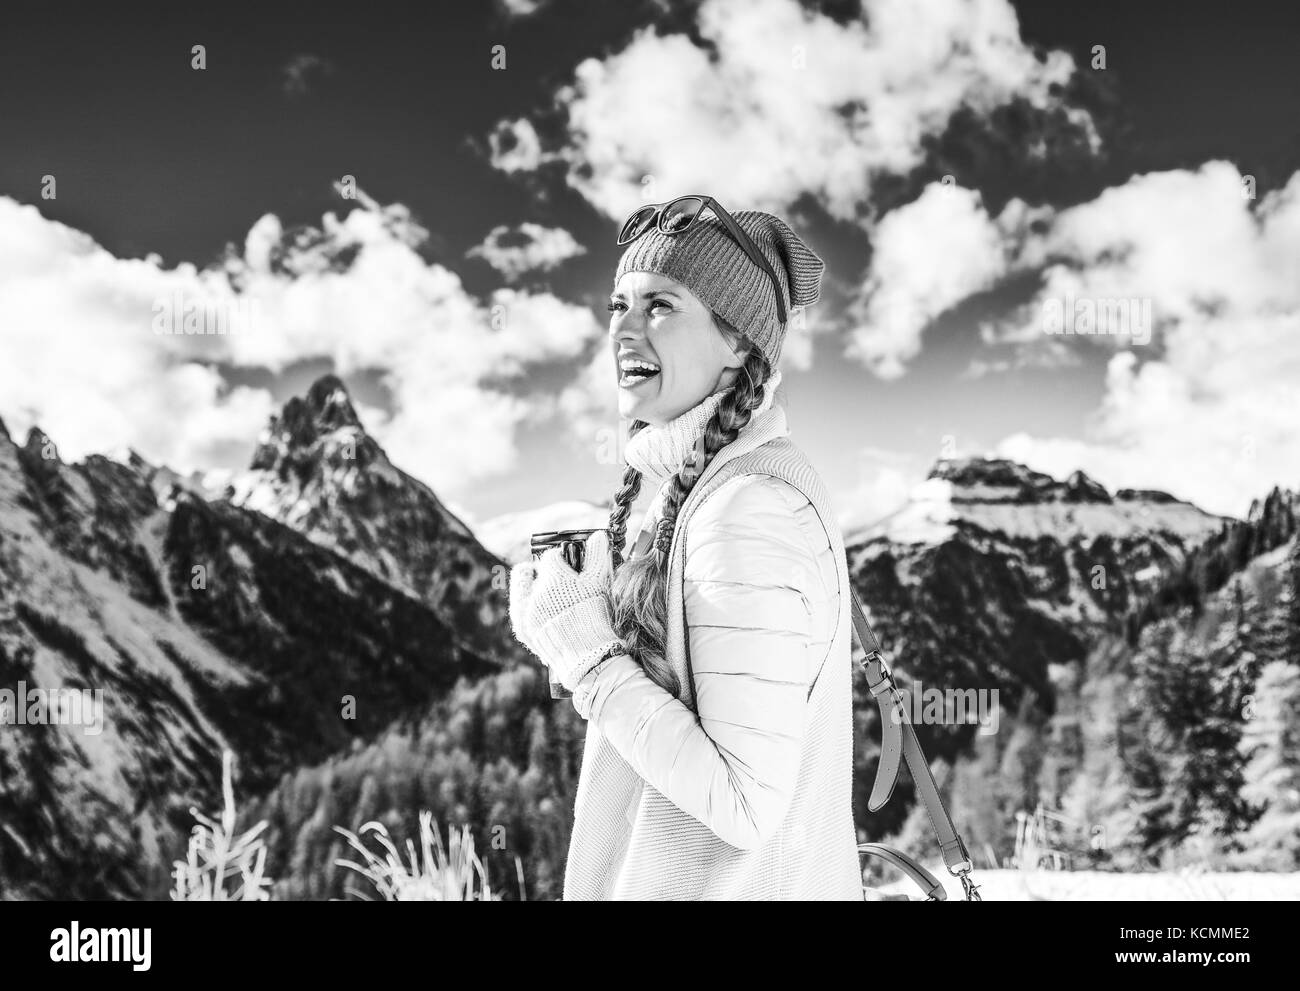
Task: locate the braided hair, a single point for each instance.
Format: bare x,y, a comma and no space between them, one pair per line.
639,591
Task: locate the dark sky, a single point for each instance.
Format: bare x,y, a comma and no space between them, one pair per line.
151,156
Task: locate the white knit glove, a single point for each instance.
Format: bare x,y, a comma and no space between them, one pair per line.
563,616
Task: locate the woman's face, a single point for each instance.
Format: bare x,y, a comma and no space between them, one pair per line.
657,322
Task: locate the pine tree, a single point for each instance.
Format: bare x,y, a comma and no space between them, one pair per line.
1101,797
1271,742
1292,601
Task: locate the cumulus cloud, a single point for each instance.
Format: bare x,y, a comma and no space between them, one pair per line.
1208,409
1185,280
529,247
513,146
81,355
358,293
780,101
885,481
928,256
589,405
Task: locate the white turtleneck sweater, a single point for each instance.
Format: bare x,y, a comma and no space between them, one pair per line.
659,450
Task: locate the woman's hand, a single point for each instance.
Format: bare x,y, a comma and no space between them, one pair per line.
561,615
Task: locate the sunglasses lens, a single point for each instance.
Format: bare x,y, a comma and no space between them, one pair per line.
636,224
680,213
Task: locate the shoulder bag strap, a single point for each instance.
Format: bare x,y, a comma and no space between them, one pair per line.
899,739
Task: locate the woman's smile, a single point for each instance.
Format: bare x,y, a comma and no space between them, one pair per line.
635,371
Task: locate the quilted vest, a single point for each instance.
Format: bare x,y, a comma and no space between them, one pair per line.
631,842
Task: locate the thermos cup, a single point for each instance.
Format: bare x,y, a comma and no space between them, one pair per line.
573,545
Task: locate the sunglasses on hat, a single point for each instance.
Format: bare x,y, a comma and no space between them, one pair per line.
678,215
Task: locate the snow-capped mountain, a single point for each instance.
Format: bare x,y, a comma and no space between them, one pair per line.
994,571
317,471
1002,496
245,618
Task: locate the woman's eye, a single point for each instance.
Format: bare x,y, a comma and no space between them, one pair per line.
616,306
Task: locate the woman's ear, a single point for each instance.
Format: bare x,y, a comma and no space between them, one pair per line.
735,351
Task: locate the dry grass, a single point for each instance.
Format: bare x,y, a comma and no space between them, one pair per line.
453,873
217,856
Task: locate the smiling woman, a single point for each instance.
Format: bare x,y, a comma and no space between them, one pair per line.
670,349
713,663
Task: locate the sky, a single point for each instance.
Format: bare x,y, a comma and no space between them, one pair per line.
427,207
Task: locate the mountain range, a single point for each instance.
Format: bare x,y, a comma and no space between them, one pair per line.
325,616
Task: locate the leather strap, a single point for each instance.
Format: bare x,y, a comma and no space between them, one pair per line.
899,738
927,882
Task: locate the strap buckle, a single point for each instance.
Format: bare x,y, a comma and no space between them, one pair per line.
886,681
968,886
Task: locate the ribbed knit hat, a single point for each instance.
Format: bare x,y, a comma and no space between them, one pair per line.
707,261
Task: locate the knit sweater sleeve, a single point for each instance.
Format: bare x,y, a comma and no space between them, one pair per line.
750,576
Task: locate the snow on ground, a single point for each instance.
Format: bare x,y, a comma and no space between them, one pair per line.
1065,521
1064,886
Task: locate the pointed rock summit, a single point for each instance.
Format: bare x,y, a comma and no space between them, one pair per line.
326,412
318,471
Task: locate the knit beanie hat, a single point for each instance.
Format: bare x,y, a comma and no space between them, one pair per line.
708,261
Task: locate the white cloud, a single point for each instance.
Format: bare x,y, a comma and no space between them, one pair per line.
521,8
515,147
785,101
882,489
446,356
79,354
526,248
79,358
1210,410
927,256
589,405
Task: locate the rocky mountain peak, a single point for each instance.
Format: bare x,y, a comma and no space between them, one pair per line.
1080,488
40,445
996,495
1003,480
317,470
330,405
306,421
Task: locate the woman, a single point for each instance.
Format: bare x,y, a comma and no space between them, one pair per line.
713,666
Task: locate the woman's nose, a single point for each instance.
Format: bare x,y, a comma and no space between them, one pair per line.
627,326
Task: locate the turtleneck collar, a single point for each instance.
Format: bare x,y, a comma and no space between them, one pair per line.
658,451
